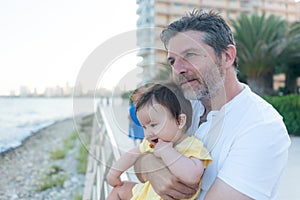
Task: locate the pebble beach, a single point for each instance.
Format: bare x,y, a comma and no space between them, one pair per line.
21,168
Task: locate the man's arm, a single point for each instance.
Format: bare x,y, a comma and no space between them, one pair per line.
252,157
166,185
221,190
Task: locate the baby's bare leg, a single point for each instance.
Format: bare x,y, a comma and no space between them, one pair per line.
123,192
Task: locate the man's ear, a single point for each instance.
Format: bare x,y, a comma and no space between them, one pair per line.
230,54
181,120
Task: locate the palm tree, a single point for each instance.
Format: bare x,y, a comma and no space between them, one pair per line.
291,57
259,42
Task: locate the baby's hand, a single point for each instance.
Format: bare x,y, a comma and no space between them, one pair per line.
161,147
113,179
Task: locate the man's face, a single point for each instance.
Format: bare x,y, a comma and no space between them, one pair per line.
195,66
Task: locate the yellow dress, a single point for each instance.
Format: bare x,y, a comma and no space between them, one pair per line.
189,147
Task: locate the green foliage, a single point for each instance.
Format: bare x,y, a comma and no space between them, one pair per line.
69,143
82,159
291,45
126,95
73,135
259,40
86,121
58,154
291,57
289,107
51,177
267,45
77,196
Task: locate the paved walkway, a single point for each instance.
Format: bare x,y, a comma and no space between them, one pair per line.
117,115
289,189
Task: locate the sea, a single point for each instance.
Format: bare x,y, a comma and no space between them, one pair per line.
23,117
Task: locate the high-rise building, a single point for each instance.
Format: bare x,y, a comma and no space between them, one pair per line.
25,91
156,14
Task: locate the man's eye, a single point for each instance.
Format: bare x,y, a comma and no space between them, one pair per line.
171,61
187,55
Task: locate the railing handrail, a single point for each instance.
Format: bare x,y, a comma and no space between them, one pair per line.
114,144
96,186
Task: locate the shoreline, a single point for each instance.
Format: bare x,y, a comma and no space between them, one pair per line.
20,166
33,134
45,127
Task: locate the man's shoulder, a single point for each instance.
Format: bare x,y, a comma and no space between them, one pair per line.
251,115
255,108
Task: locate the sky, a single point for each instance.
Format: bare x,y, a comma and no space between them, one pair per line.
45,43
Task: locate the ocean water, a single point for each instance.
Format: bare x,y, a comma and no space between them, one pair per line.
22,117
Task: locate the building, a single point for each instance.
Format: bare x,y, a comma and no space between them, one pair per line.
159,13
25,91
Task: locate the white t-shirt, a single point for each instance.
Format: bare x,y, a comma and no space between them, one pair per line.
248,143
198,111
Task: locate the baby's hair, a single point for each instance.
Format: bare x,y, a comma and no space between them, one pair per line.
169,95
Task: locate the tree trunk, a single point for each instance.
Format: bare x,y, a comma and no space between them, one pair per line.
291,81
261,85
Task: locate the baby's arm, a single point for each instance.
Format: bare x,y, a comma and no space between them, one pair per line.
178,163
125,162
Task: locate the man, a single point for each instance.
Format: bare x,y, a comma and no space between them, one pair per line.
247,138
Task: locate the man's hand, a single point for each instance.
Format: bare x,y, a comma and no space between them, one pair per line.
165,184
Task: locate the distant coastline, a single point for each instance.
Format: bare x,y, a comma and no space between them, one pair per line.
64,92
45,97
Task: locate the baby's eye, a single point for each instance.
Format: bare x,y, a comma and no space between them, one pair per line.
153,125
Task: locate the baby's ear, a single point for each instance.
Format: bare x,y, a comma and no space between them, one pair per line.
181,120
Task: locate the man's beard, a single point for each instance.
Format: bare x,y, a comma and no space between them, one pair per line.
201,91
208,90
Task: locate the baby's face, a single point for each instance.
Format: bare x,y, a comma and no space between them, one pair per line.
158,123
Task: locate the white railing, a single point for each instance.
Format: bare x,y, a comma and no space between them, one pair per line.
102,153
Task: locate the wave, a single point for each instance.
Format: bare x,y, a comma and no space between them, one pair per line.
21,118
12,137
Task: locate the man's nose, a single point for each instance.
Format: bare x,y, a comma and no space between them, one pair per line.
179,66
